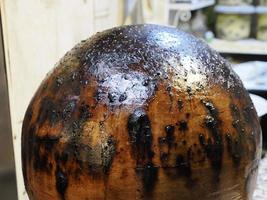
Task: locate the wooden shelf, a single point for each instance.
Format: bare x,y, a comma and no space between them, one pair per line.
248,46
191,6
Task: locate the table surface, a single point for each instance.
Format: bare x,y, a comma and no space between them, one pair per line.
261,188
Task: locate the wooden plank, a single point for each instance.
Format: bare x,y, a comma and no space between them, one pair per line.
37,33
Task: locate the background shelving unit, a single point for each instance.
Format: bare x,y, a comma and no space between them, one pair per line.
185,7
247,46
194,5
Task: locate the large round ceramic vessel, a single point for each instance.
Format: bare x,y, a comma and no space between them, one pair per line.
141,112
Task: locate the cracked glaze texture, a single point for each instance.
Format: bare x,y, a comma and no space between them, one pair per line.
141,112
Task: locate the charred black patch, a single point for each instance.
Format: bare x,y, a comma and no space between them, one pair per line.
238,143
180,104
187,115
146,82
27,143
38,150
97,161
70,81
140,136
149,176
48,112
42,148
168,140
40,161
56,84
84,112
123,97
250,118
163,157
210,107
183,125
210,122
229,141
169,129
247,112
53,112
183,166
107,153
76,126
189,91
83,76
233,148
86,158
28,115
190,153
237,121
112,97
68,110
61,182
237,89
200,87
139,129
47,141
75,82
237,152
79,153
168,88
99,95
202,139
59,81
214,150
162,140
211,150
62,157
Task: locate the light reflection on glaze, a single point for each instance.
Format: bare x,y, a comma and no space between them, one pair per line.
133,86
164,39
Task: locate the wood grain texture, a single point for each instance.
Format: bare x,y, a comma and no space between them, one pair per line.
141,112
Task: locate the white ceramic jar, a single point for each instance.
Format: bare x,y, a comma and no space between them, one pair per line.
233,22
261,33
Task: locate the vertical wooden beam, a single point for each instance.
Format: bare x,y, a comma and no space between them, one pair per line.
6,155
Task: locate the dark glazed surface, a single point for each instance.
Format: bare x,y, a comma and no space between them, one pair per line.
141,112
